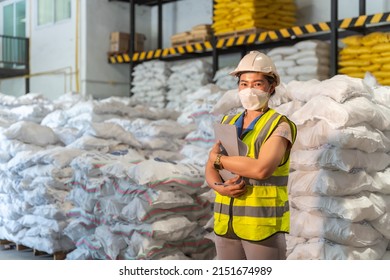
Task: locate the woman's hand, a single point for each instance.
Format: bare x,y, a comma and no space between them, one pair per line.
233,187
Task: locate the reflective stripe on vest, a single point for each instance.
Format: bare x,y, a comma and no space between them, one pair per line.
264,209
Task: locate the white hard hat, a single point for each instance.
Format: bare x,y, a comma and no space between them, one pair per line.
256,61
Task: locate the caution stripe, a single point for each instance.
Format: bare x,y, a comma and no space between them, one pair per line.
252,38
364,20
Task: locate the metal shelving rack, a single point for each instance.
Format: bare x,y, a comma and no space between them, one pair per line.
332,31
132,28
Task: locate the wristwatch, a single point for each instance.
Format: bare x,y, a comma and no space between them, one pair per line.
218,163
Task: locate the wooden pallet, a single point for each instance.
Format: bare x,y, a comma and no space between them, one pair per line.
236,33
9,245
191,40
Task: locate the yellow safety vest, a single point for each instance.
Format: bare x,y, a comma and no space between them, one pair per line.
264,209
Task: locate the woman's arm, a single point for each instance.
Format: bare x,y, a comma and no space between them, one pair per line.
270,156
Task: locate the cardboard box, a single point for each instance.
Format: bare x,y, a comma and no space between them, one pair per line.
119,42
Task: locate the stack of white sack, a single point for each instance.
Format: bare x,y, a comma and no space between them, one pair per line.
34,174
224,80
101,125
150,83
303,61
161,138
117,136
339,184
30,107
95,133
186,78
132,208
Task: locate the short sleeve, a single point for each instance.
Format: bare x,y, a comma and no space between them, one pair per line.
283,130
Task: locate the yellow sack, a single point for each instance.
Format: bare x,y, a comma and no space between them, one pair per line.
344,57
384,82
385,67
381,74
354,40
223,31
381,60
374,38
289,7
221,12
381,47
288,19
385,54
221,23
285,13
355,50
242,18
371,68
350,69
355,62
369,56
359,75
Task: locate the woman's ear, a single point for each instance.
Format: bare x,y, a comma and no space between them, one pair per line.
273,89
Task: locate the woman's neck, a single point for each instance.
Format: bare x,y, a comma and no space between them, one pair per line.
254,114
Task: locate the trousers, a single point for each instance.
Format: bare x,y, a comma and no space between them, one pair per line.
272,248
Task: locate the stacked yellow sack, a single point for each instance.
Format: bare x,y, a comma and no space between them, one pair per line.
235,15
364,53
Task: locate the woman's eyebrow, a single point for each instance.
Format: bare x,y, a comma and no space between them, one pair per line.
259,80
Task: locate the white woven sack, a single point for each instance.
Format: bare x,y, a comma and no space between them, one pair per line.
330,183
288,50
352,112
31,133
361,136
337,230
311,44
321,249
382,223
340,88
228,101
289,108
353,208
338,159
112,243
308,69
170,176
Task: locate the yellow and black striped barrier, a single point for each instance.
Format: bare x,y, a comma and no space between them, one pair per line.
161,53
254,38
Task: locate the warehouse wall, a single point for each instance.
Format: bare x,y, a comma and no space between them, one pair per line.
98,77
317,11
52,60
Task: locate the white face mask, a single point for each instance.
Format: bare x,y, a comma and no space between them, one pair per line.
253,99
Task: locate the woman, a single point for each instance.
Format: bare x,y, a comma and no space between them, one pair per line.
251,210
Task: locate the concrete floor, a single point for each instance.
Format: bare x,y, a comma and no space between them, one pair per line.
11,252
